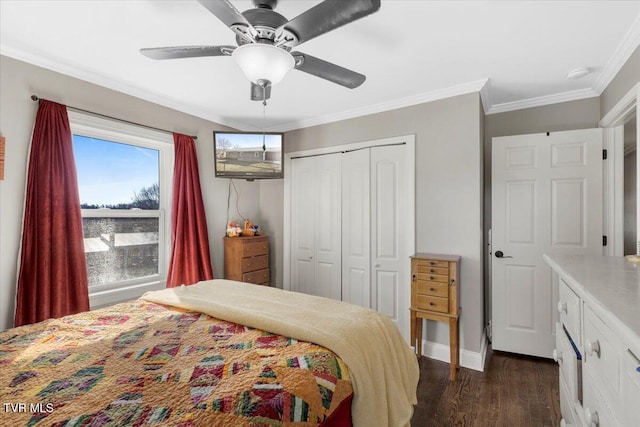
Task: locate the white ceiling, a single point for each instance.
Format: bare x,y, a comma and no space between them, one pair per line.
517,53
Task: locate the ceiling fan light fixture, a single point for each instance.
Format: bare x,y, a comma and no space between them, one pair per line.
263,64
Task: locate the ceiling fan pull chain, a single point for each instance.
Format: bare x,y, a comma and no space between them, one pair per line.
264,116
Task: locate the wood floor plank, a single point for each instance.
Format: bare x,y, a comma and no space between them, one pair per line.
514,390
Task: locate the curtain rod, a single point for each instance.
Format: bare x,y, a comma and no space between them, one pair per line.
35,98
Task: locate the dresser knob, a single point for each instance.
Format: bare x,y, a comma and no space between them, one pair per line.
591,418
562,306
432,289
557,356
432,271
431,303
430,277
592,347
414,277
432,263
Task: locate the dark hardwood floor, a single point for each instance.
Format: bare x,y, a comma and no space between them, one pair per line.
514,391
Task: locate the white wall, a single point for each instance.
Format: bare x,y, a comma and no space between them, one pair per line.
448,188
18,81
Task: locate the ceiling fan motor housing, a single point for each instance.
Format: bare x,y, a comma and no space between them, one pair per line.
265,21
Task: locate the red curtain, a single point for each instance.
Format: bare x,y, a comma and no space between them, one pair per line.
52,281
190,261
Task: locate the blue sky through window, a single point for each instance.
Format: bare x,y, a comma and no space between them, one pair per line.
109,172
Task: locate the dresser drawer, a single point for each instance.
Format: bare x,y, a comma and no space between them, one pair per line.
425,277
432,263
255,248
596,411
256,277
429,303
436,289
426,269
567,407
259,262
567,361
602,358
631,386
569,310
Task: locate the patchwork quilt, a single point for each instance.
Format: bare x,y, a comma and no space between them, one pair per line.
141,363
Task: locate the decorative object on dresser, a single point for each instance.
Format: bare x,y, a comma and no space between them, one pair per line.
246,259
435,295
598,340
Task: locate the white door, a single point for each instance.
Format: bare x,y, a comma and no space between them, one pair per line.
328,228
303,216
316,225
389,204
356,235
546,198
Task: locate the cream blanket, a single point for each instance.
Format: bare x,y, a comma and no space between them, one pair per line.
384,371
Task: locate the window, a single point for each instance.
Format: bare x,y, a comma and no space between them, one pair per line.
124,179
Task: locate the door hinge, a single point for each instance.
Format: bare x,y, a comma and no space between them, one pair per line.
604,154
604,240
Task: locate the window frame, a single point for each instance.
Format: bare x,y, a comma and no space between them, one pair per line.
93,126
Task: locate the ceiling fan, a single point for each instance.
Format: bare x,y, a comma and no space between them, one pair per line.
265,39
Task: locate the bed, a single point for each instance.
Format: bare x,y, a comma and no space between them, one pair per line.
218,353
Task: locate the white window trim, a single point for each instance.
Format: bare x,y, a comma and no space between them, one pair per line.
111,130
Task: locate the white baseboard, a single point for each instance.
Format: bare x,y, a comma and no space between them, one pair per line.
468,359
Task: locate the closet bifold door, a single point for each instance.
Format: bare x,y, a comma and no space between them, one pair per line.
389,203
356,234
316,225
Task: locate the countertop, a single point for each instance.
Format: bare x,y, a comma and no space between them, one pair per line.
610,285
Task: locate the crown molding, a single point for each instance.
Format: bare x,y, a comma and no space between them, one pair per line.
485,96
69,69
395,104
539,101
629,44
621,112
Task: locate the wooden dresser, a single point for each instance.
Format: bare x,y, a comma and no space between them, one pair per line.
435,295
246,259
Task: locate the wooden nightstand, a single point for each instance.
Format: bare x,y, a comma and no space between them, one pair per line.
246,259
435,295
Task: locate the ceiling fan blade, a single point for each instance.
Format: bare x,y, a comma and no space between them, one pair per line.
176,52
328,71
326,16
257,92
231,17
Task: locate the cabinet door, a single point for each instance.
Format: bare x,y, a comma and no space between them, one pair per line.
356,240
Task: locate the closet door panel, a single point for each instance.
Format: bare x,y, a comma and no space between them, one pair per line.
356,242
328,236
389,202
303,224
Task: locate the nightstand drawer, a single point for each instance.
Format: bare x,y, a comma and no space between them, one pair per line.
255,263
424,302
256,277
432,278
427,269
255,248
432,263
436,289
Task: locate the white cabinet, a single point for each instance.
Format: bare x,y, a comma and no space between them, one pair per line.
597,340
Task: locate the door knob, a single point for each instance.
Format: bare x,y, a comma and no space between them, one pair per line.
500,254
